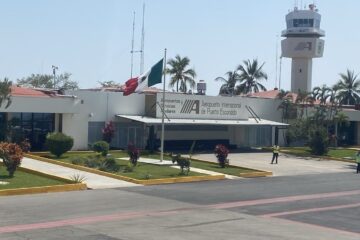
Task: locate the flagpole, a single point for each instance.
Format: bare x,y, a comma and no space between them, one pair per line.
163,112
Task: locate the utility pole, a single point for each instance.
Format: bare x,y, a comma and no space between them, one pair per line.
54,68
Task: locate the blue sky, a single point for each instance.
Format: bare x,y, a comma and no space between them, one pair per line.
92,38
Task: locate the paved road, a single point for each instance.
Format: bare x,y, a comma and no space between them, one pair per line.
315,206
288,165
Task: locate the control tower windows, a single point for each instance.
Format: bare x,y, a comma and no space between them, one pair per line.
303,22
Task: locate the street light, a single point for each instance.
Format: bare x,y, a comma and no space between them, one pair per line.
54,68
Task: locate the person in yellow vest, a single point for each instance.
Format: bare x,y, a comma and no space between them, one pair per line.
357,159
276,150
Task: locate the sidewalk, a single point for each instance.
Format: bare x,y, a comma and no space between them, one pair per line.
93,181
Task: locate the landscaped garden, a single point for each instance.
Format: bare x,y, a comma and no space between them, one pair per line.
114,162
11,177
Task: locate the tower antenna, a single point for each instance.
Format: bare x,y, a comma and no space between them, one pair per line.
132,47
142,41
276,61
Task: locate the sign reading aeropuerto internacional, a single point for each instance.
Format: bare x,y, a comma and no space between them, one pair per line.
186,106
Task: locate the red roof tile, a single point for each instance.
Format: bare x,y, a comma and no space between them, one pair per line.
21,91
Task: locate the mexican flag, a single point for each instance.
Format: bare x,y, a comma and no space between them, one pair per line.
149,78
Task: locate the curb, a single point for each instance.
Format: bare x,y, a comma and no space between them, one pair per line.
256,174
181,180
133,180
44,189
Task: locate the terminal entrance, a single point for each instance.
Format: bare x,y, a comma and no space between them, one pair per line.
32,126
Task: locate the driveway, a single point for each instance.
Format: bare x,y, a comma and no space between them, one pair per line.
288,165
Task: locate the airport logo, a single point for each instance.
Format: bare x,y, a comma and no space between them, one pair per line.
191,106
303,45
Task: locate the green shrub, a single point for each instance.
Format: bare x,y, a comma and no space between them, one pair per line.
59,143
109,165
93,161
78,160
318,142
101,147
183,163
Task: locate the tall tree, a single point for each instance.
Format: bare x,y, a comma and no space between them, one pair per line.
349,88
250,74
109,84
62,81
5,92
322,94
228,87
181,75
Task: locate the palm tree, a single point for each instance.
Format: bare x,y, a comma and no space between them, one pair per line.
321,94
286,104
303,99
180,75
5,92
228,88
349,88
250,75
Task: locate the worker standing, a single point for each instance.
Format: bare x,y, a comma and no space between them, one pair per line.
276,150
357,159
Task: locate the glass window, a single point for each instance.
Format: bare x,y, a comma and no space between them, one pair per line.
311,22
38,116
26,116
301,22
296,22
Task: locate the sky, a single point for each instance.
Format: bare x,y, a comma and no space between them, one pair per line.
91,39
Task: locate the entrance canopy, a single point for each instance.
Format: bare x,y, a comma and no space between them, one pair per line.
185,121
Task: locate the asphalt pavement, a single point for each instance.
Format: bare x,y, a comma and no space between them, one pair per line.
313,206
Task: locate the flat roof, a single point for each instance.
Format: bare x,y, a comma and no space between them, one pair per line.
184,121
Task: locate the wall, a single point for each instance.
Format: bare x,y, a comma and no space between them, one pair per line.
43,105
99,107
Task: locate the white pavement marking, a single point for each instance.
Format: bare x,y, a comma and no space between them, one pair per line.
92,180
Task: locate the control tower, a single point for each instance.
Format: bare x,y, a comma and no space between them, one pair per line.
302,44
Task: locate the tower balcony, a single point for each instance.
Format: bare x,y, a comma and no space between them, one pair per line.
303,32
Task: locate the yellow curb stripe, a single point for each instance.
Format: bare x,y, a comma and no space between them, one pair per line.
44,189
256,174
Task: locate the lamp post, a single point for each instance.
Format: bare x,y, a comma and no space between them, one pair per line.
54,68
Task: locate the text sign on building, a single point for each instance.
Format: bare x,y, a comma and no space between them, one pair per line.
202,107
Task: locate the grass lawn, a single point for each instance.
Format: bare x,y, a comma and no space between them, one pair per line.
144,170
155,171
25,180
230,170
141,171
333,152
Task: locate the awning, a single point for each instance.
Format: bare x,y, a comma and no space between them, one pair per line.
178,121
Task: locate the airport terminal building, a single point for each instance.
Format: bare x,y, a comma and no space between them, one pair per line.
237,121
234,121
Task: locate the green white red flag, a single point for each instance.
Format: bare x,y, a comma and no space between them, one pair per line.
149,78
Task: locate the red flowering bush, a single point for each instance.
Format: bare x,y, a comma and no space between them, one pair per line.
25,145
134,154
11,155
221,153
108,132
